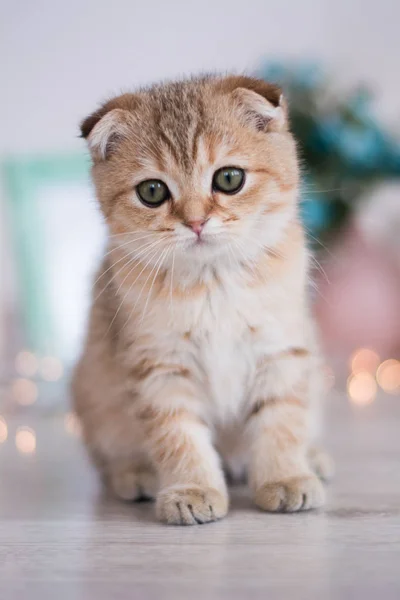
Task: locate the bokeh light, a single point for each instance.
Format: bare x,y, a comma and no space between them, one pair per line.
51,368
72,424
26,364
388,376
3,430
364,359
24,391
25,440
361,388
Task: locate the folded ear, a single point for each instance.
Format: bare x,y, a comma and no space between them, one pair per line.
260,112
261,103
107,126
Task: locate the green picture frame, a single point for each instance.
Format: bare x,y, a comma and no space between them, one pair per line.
26,181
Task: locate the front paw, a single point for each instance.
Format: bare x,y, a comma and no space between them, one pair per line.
190,505
291,495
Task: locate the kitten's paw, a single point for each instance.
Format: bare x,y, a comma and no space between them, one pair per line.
321,463
291,495
190,505
133,485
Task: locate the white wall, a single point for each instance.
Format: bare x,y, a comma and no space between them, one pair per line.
61,57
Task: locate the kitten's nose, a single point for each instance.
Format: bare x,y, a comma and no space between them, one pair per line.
196,225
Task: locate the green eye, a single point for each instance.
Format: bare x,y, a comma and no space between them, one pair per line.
153,192
228,180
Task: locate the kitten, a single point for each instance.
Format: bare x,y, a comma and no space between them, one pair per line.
200,349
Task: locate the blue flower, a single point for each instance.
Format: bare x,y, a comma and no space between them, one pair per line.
315,213
392,159
360,105
308,75
361,147
274,71
327,133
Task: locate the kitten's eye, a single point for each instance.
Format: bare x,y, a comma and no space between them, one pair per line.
153,192
228,180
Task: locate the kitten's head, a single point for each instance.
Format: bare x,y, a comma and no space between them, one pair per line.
204,171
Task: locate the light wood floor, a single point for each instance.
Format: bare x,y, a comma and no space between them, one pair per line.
61,539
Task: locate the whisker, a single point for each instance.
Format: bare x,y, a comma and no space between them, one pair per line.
149,246
133,283
320,268
127,243
128,291
129,256
138,231
160,262
311,190
318,241
171,283
315,286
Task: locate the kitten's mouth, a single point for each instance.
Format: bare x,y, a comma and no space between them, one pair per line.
202,241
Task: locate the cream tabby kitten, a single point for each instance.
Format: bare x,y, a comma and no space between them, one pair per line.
200,350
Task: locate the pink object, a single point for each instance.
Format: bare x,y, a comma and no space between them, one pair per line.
360,306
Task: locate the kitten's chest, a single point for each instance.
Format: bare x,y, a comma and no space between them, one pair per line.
228,363
226,313
226,332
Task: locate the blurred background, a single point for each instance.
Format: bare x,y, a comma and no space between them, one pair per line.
338,63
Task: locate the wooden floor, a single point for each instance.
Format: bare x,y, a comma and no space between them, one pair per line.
61,539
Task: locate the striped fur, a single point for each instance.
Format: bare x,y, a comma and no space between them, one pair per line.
200,355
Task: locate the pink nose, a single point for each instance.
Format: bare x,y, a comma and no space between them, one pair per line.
196,226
